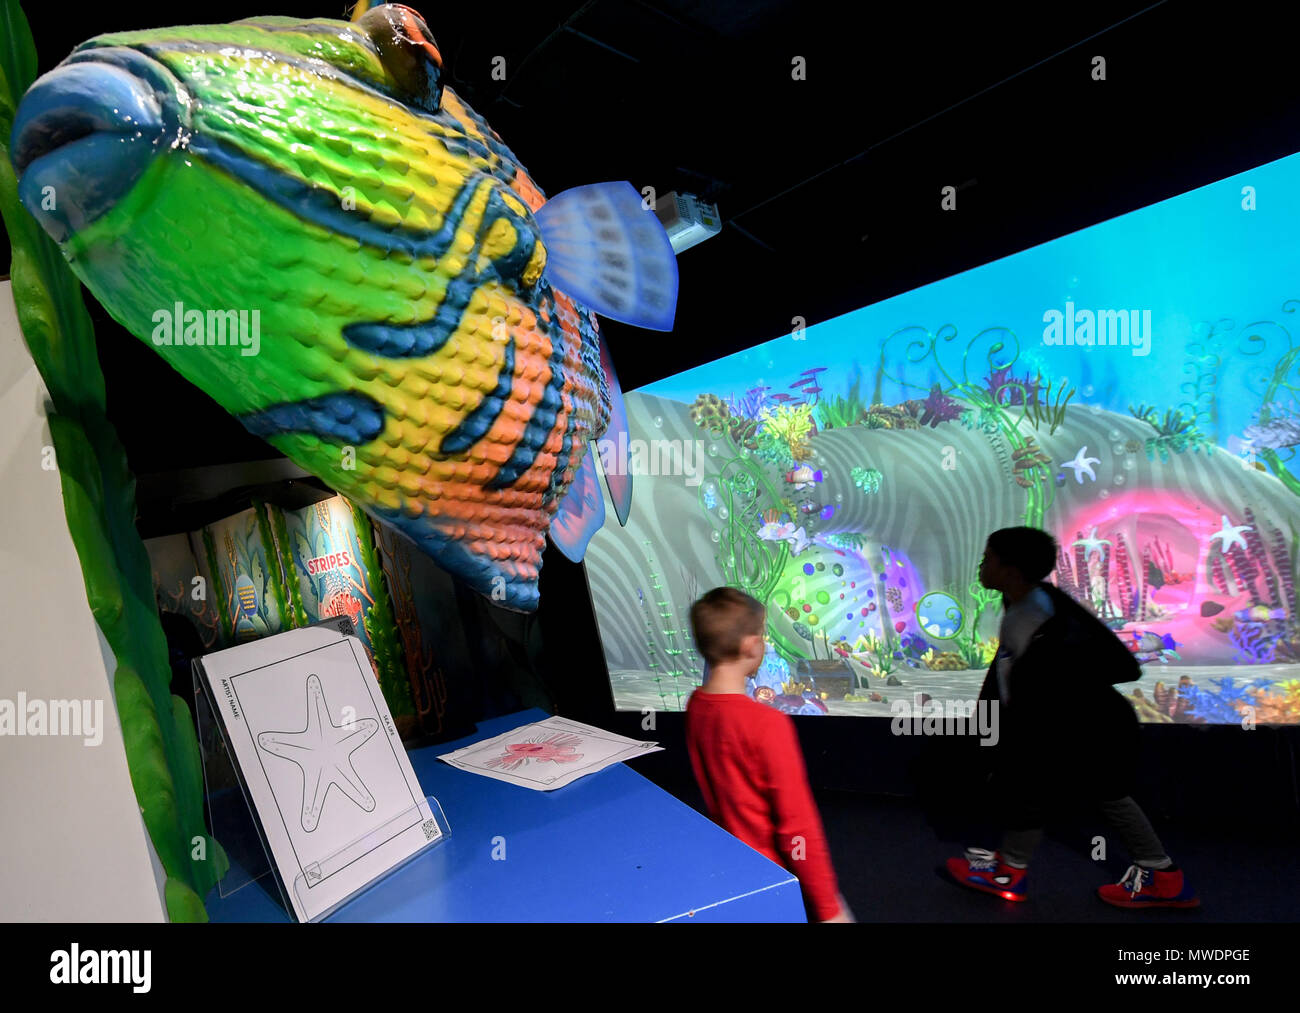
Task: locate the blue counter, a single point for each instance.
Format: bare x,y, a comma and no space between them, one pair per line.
611,847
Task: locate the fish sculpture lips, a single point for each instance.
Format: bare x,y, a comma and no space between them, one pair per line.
414,344
85,133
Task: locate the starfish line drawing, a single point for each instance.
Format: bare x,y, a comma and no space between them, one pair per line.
323,752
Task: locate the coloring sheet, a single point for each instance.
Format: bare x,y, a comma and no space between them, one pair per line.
547,754
321,761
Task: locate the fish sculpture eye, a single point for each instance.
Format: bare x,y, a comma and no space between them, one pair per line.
409,52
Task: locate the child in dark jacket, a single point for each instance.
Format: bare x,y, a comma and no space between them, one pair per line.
746,756
1066,734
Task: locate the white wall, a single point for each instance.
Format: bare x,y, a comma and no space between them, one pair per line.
73,846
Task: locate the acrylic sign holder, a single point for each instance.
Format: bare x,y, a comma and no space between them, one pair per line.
235,825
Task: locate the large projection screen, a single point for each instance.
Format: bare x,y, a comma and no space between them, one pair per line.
1131,388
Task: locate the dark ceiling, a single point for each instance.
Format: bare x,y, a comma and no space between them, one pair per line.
829,186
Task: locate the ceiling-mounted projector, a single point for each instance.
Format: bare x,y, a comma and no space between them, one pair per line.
687,219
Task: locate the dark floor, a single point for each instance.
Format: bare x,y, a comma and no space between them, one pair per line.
886,854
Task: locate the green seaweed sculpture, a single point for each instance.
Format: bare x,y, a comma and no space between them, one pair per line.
162,751
379,623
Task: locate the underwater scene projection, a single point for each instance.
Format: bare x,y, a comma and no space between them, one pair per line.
1131,388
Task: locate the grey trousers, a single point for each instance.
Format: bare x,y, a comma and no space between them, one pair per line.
1128,821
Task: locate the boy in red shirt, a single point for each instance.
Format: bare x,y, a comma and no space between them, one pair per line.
746,757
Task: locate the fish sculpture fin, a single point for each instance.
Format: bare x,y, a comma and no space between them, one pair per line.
607,251
618,476
581,512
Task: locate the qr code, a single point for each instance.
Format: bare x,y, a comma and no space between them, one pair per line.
430,828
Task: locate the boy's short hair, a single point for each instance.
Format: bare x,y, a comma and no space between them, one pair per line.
1029,550
721,619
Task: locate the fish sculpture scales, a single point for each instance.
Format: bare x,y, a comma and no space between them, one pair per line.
310,227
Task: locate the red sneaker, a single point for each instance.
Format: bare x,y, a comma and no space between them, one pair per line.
1150,888
985,871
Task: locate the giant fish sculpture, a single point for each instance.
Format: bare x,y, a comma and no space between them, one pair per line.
309,226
